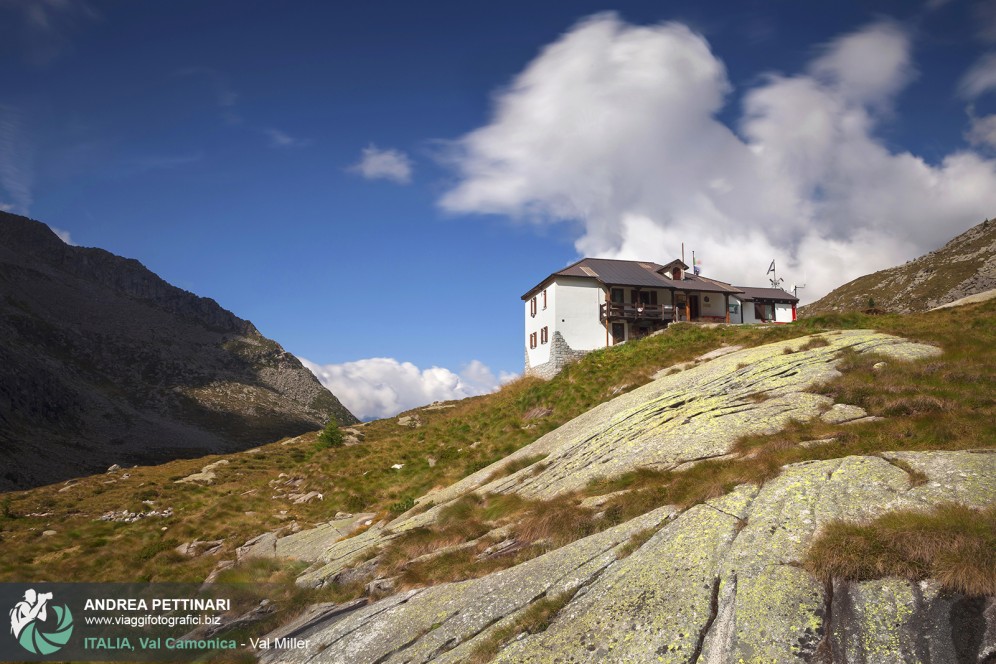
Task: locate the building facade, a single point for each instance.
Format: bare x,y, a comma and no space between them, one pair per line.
599,302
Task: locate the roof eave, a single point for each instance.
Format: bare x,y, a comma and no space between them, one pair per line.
553,277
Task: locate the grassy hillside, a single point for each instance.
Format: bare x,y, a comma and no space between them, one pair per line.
56,532
947,403
964,266
250,492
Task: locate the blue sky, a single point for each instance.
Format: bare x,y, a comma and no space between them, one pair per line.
384,179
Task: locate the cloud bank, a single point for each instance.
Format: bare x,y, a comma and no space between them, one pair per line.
381,387
615,126
376,164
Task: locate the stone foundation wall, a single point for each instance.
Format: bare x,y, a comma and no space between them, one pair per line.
561,354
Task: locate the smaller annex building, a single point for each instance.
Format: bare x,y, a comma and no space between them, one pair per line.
599,302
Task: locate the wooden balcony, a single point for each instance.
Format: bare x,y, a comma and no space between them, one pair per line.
636,312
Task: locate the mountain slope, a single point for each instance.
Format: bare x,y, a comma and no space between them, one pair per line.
964,266
680,537
103,362
722,581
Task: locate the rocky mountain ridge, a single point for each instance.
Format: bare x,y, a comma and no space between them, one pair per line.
964,266
103,362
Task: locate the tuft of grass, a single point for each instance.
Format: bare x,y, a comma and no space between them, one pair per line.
917,478
635,541
413,544
814,342
952,543
461,510
913,405
532,620
556,522
514,466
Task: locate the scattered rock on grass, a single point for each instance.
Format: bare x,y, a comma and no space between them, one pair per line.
207,474
410,421
842,412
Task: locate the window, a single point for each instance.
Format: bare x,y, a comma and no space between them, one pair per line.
617,295
544,335
676,274
734,308
544,298
532,340
648,297
532,307
764,312
618,333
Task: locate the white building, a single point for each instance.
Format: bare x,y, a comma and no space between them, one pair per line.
599,302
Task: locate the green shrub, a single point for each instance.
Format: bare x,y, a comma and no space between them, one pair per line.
402,506
331,436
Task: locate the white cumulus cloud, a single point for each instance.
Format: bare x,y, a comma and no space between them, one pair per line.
377,164
867,66
381,387
614,125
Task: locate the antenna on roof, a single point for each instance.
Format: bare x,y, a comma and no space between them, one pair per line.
796,287
775,280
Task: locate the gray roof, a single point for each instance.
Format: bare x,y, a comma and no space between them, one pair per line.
640,274
707,285
767,294
616,273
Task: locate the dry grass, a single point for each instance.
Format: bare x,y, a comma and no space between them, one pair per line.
555,522
536,526
916,477
952,543
814,342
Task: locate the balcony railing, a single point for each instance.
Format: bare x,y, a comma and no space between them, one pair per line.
621,311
